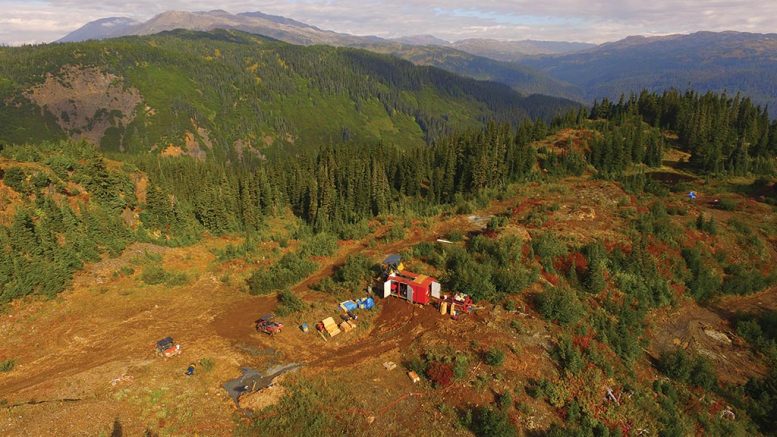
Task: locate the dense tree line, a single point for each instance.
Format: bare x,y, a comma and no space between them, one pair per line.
335,186
330,187
723,134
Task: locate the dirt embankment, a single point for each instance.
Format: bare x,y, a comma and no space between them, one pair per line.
708,331
86,101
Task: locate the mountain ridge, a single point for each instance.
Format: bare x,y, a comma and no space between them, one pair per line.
232,93
730,61
291,31
733,62
274,26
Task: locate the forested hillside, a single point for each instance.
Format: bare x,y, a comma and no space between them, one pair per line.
338,187
229,94
523,79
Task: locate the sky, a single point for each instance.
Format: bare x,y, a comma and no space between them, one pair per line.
597,21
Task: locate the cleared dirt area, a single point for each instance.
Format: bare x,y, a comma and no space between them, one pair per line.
705,332
91,348
85,359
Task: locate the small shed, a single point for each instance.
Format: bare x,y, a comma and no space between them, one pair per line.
412,287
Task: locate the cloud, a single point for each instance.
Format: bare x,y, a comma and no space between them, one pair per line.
593,20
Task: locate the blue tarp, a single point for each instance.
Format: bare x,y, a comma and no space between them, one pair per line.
365,303
349,305
392,260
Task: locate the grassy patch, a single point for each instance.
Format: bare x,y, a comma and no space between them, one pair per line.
155,275
306,410
207,364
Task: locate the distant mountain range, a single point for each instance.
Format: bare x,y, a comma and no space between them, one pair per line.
521,78
422,50
102,29
281,28
295,32
705,61
508,51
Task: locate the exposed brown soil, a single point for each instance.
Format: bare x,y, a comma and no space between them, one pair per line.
86,357
706,332
398,325
86,101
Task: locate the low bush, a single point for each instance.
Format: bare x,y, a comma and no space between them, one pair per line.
704,283
545,389
568,356
304,410
234,251
321,244
441,374
395,233
490,422
417,364
727,204
289,303
153,275
760,330
505,401
455,235
693,370
354,231
14,178
326,285
40,180
659,224
7,365
745,280
497,222
461,366
548,247
355,273
290,269
762,406
494,356
707,226
177,279
560,305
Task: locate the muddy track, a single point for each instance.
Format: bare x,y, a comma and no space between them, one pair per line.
398,325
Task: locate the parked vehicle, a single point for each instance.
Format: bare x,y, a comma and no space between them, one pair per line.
167,347
267,325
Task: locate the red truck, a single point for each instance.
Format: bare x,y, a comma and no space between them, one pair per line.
267,325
